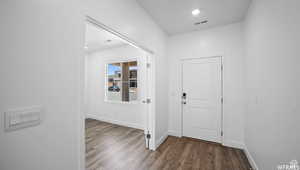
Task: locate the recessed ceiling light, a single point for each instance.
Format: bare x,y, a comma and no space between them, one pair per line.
86,47
196,12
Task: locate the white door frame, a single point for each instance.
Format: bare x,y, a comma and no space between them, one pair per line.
222,92
150,118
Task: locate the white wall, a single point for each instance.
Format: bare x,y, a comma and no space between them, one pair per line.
130,19
41,49
41,56
129,114
273,87
226,41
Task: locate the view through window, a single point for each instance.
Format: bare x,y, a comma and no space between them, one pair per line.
122,81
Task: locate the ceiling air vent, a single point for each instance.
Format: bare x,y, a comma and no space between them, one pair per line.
202,22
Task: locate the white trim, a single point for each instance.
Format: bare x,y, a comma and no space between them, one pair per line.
114,32
82,104
250,158
117,122
174,133
151,86
233,144
82,147
121,102
161,140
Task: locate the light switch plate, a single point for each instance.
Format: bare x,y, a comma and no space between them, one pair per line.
22,117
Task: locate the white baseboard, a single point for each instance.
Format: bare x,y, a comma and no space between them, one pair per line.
242,146
234,144
121,123
174,133
250,158
161,140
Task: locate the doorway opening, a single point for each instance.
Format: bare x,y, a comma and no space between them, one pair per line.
118,96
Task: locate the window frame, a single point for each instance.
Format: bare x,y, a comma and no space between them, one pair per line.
107,62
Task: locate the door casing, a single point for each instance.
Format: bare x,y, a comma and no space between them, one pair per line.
150,91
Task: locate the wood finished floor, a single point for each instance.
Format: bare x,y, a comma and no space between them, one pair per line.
114,147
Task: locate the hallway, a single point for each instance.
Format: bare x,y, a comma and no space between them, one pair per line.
114,147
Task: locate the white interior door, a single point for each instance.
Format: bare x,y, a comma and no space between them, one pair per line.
201,98
143,87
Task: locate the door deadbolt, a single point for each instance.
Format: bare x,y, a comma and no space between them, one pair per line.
183,95
183,98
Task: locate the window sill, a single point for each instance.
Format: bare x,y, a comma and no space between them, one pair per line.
120,102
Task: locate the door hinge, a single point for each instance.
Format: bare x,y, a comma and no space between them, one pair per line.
148,65
222,100
222,67
148,137
221,133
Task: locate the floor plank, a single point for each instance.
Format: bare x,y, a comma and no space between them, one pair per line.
114,147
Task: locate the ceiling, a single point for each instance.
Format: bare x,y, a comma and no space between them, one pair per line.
99,39
175,16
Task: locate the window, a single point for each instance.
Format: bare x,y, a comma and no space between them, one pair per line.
122,81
